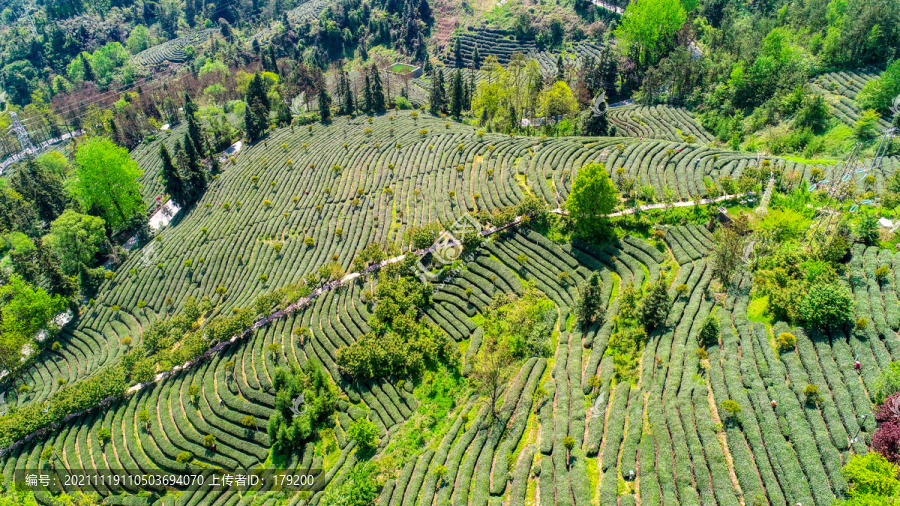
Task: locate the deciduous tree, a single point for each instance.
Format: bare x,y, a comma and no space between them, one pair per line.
75,239
728,247
647,28
492,370
593,196
106,181
871,477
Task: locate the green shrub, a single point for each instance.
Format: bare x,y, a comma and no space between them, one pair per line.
439,472
731,407
786,341
872,479
812,394
358,489
826,305
365,433
48,453
709,331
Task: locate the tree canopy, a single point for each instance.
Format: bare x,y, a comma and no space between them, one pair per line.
24,310
558,100
826,305
592,197
880,92
647,28
42,185
75,239
106,181
287,428
400,342
654,305
871,477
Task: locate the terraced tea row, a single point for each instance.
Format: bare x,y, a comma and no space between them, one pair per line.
658,437
686,170
233,402
658,122
171,51
302,199
306,11
841,88
237,384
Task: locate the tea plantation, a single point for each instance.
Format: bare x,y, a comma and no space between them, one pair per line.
576,425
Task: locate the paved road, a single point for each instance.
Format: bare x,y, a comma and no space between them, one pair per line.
624,102
608,6
648,207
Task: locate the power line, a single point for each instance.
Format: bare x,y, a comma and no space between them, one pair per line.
107,95
80,106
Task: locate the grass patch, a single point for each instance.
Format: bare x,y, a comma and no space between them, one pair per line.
615,287
522,179
438,393
463,346
808,161
890,245
531,491
401,68
327,448
758,310
593,471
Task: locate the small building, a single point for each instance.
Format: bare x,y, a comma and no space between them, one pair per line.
885,223
723,216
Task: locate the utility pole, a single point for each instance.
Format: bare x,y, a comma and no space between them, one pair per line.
21,132
856,437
